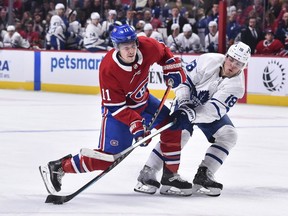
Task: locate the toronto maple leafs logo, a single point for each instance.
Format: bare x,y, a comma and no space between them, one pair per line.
199,98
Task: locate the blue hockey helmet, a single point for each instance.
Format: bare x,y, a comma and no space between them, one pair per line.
123,34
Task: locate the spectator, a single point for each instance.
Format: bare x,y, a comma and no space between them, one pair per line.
140,27
213,15
154,21
3,18
38,25
176,18
2,34
20,28
282,31
85,12
187,41
274,7
269,46
251,35
96,6
26,18
32,36
256,8
201,25
233,28
14,40
130,19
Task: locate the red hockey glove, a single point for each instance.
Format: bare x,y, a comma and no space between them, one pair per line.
173,72
138,129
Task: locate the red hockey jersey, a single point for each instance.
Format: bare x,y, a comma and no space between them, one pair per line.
266,48
124,87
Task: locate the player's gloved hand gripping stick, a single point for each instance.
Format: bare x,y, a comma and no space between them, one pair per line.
58,199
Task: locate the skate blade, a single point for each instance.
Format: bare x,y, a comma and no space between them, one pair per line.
173,191
148,189
199,189
45,174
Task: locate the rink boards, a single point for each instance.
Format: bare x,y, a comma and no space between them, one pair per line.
77,72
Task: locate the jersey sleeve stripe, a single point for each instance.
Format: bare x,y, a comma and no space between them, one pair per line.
115,104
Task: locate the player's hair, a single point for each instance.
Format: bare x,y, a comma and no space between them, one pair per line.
123,34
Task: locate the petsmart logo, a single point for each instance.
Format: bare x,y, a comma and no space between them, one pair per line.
68,63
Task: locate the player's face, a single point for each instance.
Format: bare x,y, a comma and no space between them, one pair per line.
231,67
128,51
60,12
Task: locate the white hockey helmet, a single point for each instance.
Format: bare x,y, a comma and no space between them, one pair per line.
59,6
240,51
147,27
10,28
95,15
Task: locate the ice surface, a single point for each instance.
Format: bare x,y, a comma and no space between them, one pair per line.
37,127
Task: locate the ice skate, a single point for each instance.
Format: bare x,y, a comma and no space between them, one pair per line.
173,184
147,182
204,183
52,175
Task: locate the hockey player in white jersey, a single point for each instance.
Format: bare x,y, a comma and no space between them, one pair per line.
211,39
57,33
187,41
93,32
75,41
13,39
215,82
149,32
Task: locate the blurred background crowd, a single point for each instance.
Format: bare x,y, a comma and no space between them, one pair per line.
187,26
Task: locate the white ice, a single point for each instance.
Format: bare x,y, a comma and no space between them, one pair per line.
36,127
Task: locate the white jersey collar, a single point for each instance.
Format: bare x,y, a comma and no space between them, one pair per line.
125,67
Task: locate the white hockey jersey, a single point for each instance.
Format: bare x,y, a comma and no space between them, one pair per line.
92,37
57,27
211,42
170,40
155,35
190,45
215,93
75,28
15,41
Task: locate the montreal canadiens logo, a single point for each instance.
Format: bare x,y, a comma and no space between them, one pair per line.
274,76
114,142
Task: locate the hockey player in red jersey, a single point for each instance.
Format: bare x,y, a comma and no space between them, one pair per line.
127,108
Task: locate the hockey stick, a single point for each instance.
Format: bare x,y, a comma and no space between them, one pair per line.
110,158
58,199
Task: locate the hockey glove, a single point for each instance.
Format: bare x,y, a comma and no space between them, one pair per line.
173,71
183,118
138,129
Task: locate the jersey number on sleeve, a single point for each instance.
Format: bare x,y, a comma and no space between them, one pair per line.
231,100
191,65
106,94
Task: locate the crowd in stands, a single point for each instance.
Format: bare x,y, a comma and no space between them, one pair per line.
184,26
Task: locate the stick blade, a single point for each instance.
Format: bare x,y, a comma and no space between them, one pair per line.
58,200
